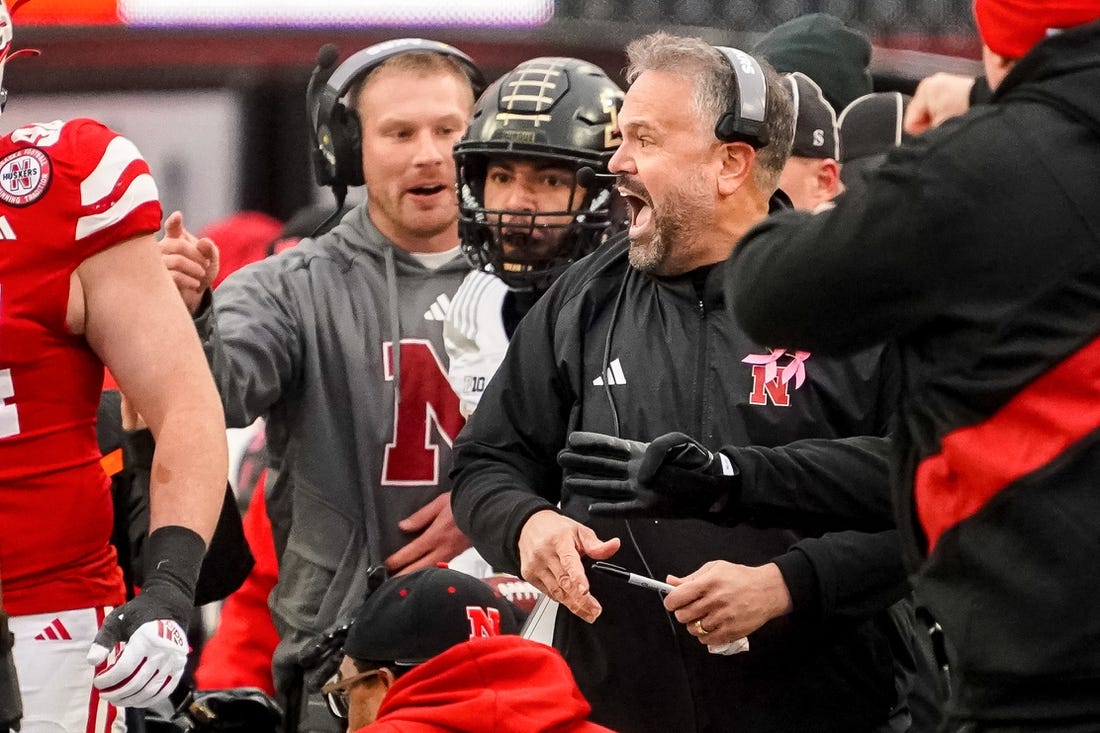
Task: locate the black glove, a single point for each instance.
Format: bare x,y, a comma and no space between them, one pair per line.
152,627
674,476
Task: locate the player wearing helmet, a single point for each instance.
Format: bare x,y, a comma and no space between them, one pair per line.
81,286
525,213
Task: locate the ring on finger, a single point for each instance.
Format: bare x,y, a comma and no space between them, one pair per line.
700,628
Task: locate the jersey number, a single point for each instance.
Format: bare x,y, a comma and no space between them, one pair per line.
427,400
9,415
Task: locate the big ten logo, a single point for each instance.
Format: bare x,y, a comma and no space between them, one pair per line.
483,621
427,407
473,384
771,381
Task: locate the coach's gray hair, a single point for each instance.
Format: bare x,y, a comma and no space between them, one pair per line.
715,91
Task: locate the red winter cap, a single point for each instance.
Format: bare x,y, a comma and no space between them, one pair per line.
1011,27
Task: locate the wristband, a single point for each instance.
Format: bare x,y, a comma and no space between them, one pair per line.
173,557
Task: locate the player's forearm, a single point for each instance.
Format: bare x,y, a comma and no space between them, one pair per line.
190,466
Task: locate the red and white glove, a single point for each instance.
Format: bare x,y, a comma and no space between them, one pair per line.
145,669
141,648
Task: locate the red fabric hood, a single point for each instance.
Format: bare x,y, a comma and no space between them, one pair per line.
504,684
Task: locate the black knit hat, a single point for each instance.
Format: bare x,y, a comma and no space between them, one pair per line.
412,618
824,49
815,129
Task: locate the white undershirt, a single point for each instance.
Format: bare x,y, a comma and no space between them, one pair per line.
435,260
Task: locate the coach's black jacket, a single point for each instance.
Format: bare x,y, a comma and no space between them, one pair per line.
675,362
977,248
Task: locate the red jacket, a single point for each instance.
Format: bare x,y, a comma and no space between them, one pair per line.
504,683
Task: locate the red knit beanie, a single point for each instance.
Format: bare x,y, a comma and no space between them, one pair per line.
1011,27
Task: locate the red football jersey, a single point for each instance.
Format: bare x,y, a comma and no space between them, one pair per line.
67,191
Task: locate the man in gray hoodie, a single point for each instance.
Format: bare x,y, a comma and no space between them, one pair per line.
338,344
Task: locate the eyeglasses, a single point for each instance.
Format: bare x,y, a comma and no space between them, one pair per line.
336,691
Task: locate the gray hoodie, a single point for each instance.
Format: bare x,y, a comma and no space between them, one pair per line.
303,339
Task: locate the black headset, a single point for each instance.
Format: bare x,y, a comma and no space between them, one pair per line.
747,122
334,130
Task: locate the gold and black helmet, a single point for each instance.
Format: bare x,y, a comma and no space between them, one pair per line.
560,109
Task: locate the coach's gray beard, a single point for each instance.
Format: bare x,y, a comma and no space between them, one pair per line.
649,251
671,224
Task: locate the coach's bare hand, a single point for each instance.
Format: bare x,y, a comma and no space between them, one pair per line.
192,261
722,601
438,539
550,550
937,98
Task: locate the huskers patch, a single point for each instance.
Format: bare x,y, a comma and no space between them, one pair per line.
24,176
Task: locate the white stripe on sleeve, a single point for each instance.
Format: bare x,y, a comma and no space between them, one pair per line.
142,190
119,153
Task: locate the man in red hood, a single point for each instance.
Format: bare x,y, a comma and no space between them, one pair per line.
436,650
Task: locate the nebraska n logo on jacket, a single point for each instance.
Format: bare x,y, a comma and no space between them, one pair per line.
771,381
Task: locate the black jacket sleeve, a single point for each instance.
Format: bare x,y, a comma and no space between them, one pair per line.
505,459
945,229
847,574
980,93
801,278
820,485
814,484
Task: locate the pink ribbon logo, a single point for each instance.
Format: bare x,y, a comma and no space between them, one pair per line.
795,369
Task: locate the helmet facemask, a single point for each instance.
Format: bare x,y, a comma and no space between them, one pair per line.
548,114
525,248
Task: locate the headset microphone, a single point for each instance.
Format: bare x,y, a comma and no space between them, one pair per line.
586,176
326,59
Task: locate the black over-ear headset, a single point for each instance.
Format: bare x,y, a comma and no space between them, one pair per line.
747,122
336,142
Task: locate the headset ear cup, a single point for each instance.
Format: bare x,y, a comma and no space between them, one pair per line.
324,166
322,169
726,127
344,131
354,158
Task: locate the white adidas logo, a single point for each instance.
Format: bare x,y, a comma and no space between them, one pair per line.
6,232
438,311
613,376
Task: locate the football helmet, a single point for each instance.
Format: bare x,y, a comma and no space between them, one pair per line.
6,36
547,110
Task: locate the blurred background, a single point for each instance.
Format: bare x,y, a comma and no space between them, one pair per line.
213,91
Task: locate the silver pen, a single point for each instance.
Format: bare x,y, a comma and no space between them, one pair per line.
632,578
